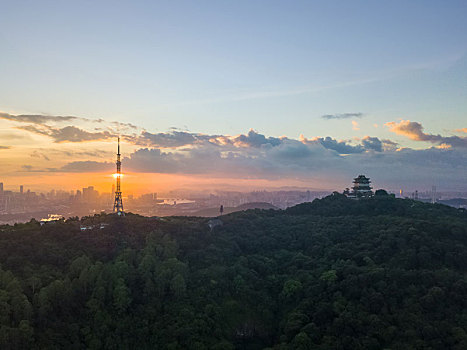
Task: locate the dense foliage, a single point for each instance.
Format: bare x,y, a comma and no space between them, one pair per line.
380,273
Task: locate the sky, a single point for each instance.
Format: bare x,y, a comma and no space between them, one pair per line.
233,94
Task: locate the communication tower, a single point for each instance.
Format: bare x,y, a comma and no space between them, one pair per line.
118,202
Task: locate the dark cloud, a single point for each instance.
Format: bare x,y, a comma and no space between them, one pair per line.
341,147
245,155
266,162
47,125
254,139
251,140
342,116
256,156
389,145
176,138
368,143
45,119
294,159
157,161
36,118
74,134
5,147
414,131
68,133
164,140
372,143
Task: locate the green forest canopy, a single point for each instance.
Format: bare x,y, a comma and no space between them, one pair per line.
381,273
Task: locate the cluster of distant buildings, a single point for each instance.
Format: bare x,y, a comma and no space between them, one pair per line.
22,204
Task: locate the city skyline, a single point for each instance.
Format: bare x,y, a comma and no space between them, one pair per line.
21,206
237,96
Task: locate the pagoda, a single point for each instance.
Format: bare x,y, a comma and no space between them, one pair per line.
361,188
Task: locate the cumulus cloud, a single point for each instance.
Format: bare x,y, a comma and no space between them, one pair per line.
342,116
253,155
254,139
256,162
389,145
176,138
341,147
372,143
247,142
461,130
355,125
298,159
414,131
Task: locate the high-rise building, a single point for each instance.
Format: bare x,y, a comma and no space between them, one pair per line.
85,193
1,187
21,189
90,194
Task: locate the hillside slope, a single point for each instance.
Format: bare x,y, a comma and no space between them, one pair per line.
212,212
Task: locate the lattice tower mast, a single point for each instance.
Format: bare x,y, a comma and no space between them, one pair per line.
118,202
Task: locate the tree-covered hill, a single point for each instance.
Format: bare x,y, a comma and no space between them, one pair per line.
381,273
